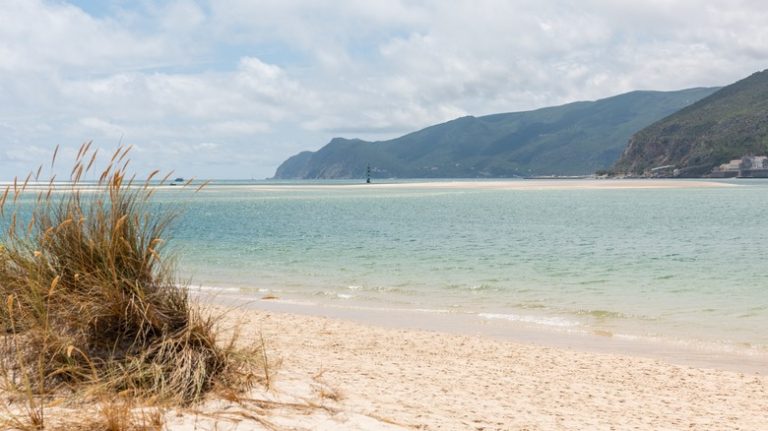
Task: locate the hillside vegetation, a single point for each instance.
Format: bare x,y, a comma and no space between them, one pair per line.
574,139
729,124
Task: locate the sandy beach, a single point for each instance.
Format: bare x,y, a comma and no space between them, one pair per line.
335,374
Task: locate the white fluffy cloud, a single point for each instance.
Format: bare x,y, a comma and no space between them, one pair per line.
230,88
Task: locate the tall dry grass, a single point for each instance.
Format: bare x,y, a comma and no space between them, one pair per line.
90,300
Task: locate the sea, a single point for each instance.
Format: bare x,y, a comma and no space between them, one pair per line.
681,264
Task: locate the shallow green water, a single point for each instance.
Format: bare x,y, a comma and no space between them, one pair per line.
682,264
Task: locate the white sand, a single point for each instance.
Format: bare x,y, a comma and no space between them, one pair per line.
370,378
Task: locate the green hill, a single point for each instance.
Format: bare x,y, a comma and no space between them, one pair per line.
574,139
729,124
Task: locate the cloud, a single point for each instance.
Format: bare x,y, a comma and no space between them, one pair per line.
230,88
58,37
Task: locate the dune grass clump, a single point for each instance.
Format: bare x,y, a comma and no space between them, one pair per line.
91,304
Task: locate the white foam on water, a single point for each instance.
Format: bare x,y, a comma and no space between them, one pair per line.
546,321
231,289
399,309
726,347
215,289
429,310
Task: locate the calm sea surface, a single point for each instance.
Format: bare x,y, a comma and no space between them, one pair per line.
683,264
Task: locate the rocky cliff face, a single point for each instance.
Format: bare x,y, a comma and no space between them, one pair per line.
728,124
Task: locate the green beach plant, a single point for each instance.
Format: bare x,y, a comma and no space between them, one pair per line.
91,301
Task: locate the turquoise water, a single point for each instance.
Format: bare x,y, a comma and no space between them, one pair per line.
685,264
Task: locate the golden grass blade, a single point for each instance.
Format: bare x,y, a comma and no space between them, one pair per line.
47,233
78,175
64,223
3,199
202,185
86,148
105,174
149,178
54,283
155,254
77,166
125,153
50,188
116,154
124,169
166,177
120,222
93,159
15,190
55,153
26,181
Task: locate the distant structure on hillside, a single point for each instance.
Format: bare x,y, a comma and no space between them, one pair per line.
745,167
665,171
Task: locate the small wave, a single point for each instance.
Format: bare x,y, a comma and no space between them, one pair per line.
472,288
331,294
430,310
721,346
397,309
602,314
529,305
546,321
591,282
216,289
381,289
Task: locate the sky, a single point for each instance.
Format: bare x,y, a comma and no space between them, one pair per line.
231,88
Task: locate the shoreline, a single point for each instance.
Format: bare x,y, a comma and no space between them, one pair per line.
365,376
497,184
459,324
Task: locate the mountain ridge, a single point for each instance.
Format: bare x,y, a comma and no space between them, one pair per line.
572,139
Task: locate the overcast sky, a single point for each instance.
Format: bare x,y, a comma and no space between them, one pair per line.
230,88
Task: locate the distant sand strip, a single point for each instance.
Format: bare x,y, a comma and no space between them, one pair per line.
560,184
537,184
